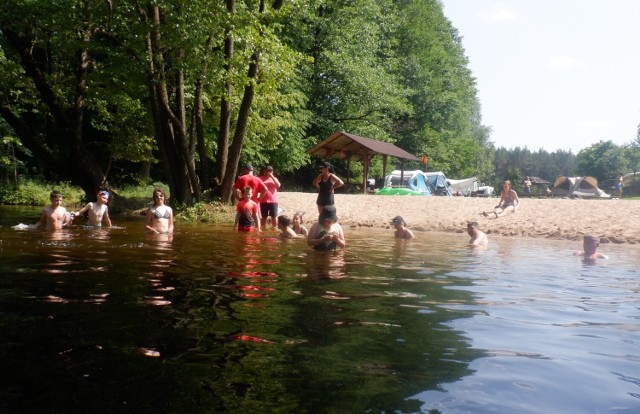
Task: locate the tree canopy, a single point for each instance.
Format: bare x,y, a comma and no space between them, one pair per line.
100,92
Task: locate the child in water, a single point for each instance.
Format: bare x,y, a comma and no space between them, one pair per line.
247,213
55,216
283,225
298,227
401,232
97,211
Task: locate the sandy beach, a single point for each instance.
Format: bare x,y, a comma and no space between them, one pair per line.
615,221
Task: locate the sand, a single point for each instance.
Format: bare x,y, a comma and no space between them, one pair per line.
615,221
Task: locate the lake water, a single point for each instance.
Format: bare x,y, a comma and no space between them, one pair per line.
113,320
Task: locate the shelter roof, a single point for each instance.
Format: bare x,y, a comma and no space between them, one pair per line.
343,145
538,180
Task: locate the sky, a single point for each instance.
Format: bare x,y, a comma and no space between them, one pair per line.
553,74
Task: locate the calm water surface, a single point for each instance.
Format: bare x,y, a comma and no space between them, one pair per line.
113,320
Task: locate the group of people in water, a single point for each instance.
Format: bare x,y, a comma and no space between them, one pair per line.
257,205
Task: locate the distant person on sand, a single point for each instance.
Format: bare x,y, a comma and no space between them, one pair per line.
590,245
527,185
247,217
508,201
286,232
298,226
401,232
618,186
326,183
326,233
159,218
269,203
54,217
97,211
478,237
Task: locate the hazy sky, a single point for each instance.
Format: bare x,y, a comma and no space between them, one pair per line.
553,74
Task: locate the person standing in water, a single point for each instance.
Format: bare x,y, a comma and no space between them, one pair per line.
590,245
478,237
97,211
401,232
159,218
326,183
54,217
269,204
326,233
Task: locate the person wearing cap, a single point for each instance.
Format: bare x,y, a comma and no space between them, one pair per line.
269,204
478,237
326,233
258,188
326,183
97,211
401,232
590,245
54,217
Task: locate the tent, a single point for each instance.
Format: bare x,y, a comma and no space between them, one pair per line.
577,187
415,183
466,186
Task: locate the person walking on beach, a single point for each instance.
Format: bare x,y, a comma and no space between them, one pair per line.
97,211
326,183
619,184
159,218
527,185
508,201
478,237
269,204
590,245
54,217
401,232
247,217
326,233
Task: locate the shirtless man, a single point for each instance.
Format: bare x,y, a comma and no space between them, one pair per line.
54,217
97,211
590,245
478,237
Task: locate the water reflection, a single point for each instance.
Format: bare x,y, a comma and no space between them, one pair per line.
212,320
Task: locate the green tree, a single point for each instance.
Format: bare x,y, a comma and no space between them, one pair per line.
602,160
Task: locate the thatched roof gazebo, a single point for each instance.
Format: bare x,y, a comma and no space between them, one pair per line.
350,147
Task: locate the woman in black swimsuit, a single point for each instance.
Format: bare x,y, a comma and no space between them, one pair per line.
326,183
159,218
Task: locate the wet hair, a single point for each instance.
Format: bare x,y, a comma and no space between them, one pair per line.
284,221
299,214
55,194
473,224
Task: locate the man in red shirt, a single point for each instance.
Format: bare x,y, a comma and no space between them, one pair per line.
258,187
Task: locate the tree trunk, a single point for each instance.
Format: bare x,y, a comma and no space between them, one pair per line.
241,131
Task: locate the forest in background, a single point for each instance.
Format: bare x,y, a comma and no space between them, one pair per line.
100,94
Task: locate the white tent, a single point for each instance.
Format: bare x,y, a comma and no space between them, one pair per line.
578,187
465,186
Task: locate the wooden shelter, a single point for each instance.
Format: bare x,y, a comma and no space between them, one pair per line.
350,147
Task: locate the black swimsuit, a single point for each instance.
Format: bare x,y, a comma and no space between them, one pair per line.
325,197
